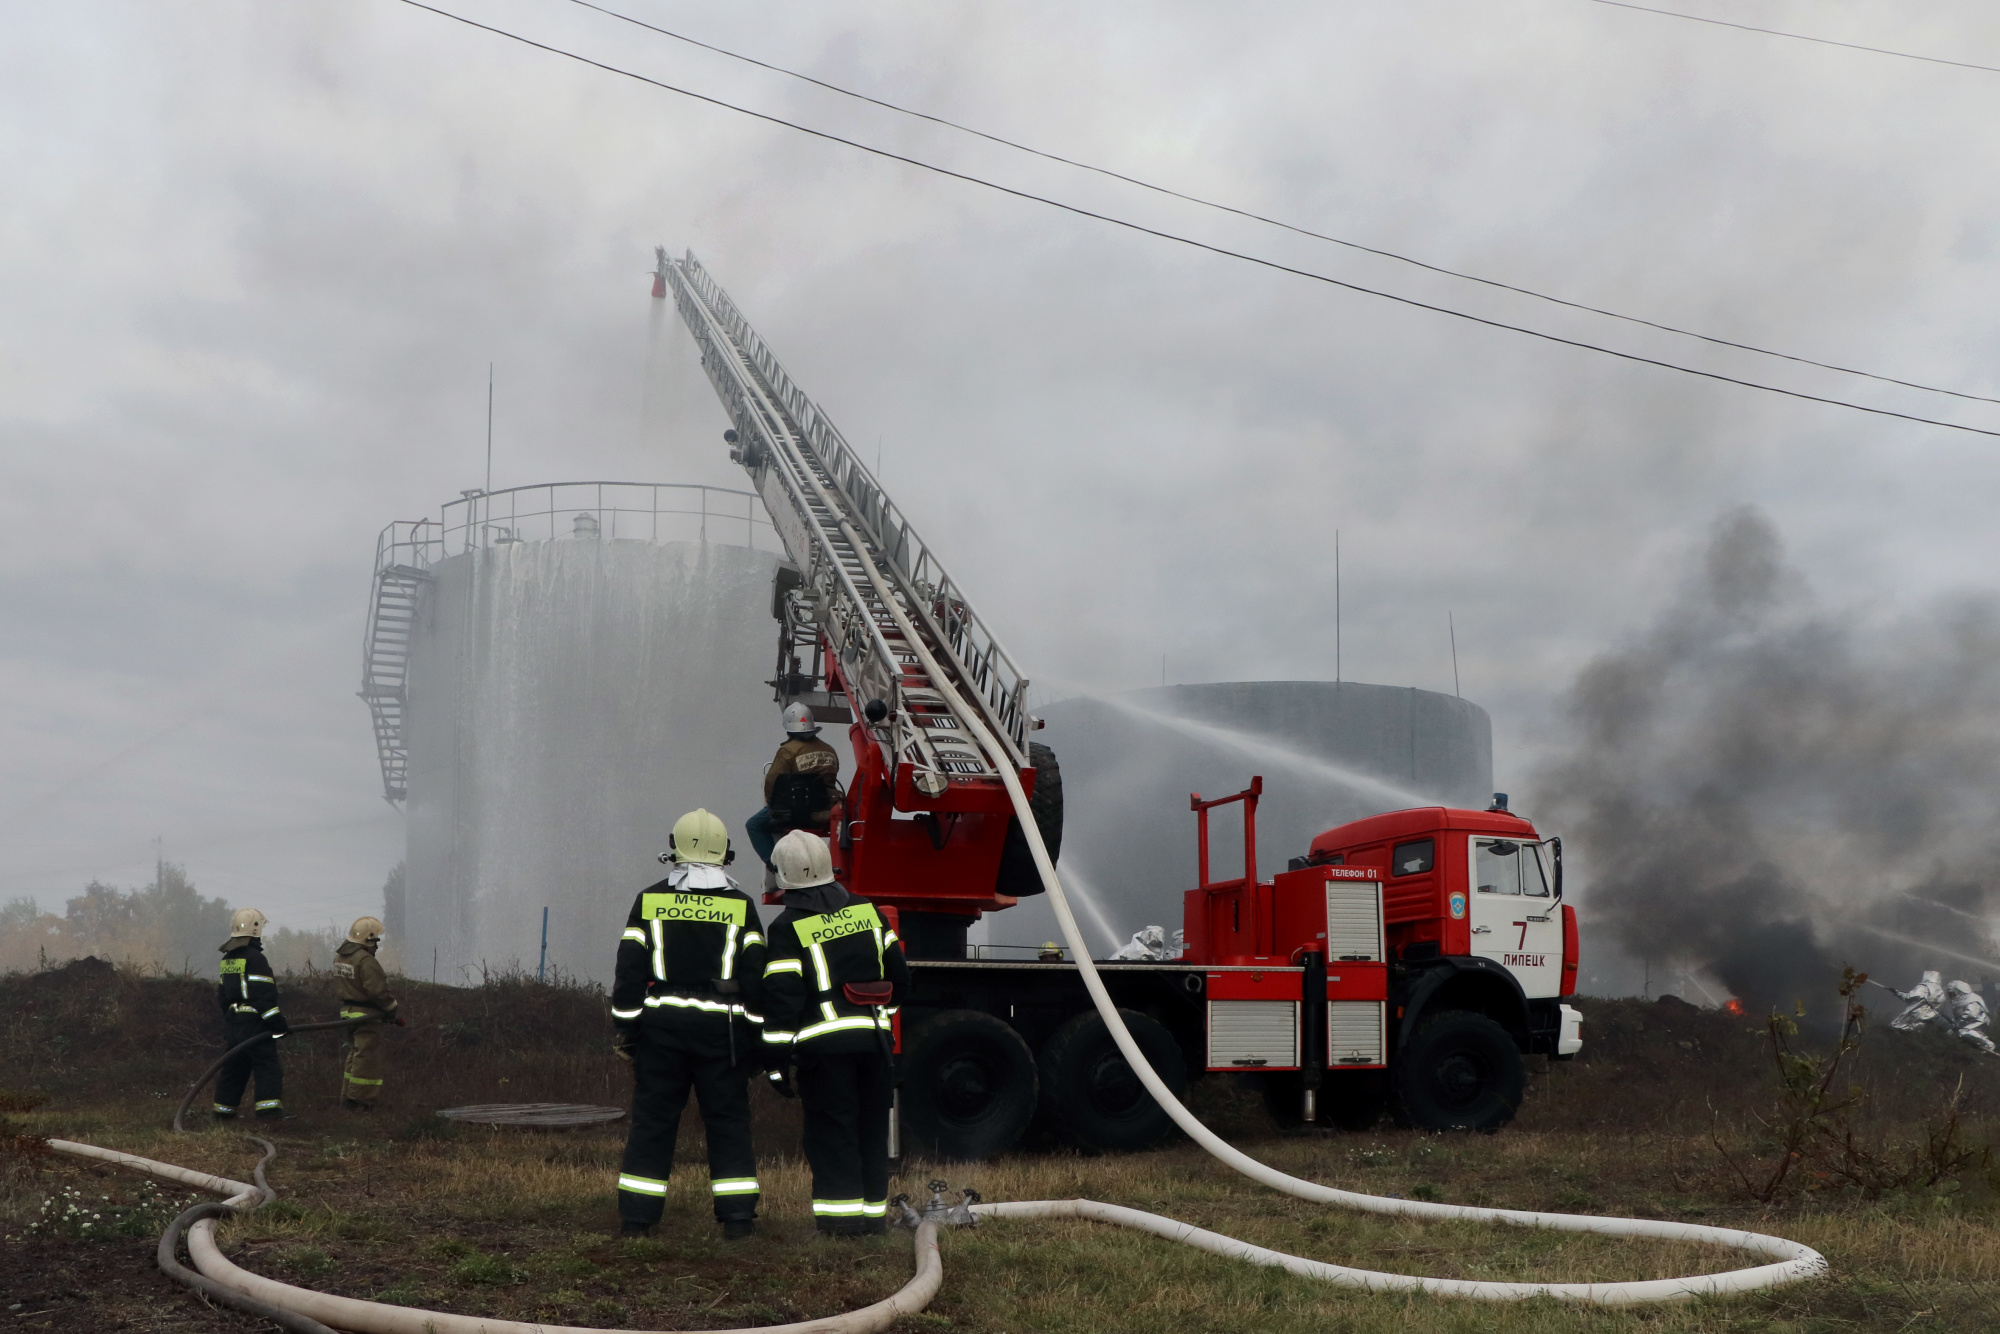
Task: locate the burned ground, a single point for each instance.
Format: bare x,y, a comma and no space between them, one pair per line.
400,1206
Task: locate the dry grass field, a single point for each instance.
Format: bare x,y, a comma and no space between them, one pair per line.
406,1208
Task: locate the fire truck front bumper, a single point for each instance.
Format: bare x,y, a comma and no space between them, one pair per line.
1571,1040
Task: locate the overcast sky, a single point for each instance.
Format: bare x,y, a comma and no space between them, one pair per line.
255,258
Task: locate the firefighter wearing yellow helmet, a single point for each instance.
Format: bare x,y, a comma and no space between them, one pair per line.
834,976
687,1009
362,989
248,994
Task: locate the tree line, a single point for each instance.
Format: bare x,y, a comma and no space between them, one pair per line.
168,926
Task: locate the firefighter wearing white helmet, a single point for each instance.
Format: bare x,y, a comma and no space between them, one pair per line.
833,979
686,1005
248,995
1965,1011
801,784
1926,1000
362,989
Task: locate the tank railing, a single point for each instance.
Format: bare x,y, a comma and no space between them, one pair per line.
649,511
984,666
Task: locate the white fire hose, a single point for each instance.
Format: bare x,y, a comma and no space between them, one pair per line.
378,1318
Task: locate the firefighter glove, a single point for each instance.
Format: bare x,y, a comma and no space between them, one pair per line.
278,1025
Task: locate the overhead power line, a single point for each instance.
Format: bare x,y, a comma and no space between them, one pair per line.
1798,36
1190,242
1270,221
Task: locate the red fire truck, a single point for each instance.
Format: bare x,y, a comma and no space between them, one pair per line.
1407,963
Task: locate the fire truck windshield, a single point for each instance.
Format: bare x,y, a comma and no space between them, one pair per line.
1508,866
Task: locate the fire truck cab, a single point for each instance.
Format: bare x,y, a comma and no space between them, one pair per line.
1411,959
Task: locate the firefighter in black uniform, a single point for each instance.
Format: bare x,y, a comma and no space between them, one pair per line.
833,978
248,995
686,1006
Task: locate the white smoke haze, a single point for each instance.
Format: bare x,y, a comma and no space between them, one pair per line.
1767,784
255,260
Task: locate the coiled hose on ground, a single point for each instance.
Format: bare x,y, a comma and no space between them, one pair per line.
303,1311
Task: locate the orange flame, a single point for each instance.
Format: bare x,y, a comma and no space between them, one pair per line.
1733,1006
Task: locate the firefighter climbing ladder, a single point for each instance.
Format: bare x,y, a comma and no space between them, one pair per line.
898,627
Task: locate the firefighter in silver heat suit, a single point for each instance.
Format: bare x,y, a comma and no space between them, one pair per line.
1926,1000
1966,1013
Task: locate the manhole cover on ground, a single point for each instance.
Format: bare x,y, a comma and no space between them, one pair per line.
542,1114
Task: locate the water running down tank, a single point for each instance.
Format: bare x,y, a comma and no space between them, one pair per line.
584,663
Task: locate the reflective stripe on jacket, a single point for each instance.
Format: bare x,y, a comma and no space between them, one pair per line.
812,957
692,945
247,986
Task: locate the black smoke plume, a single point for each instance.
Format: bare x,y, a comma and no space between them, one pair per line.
1764,787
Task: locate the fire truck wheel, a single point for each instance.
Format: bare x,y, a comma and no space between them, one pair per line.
1460,1071
1091,1096
968,1087
1018,875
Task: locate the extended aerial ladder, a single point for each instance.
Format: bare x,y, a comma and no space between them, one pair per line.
869,621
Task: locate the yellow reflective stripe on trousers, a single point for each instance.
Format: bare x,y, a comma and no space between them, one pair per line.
641,1185
839,1208
875,1209
356,1079
734,1186
268,1104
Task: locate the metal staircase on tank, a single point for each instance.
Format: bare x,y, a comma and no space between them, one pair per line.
385,664
823,503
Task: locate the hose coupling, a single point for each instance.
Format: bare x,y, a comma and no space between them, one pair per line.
945,1212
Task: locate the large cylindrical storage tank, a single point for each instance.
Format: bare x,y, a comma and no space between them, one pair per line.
569,696
1329,752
